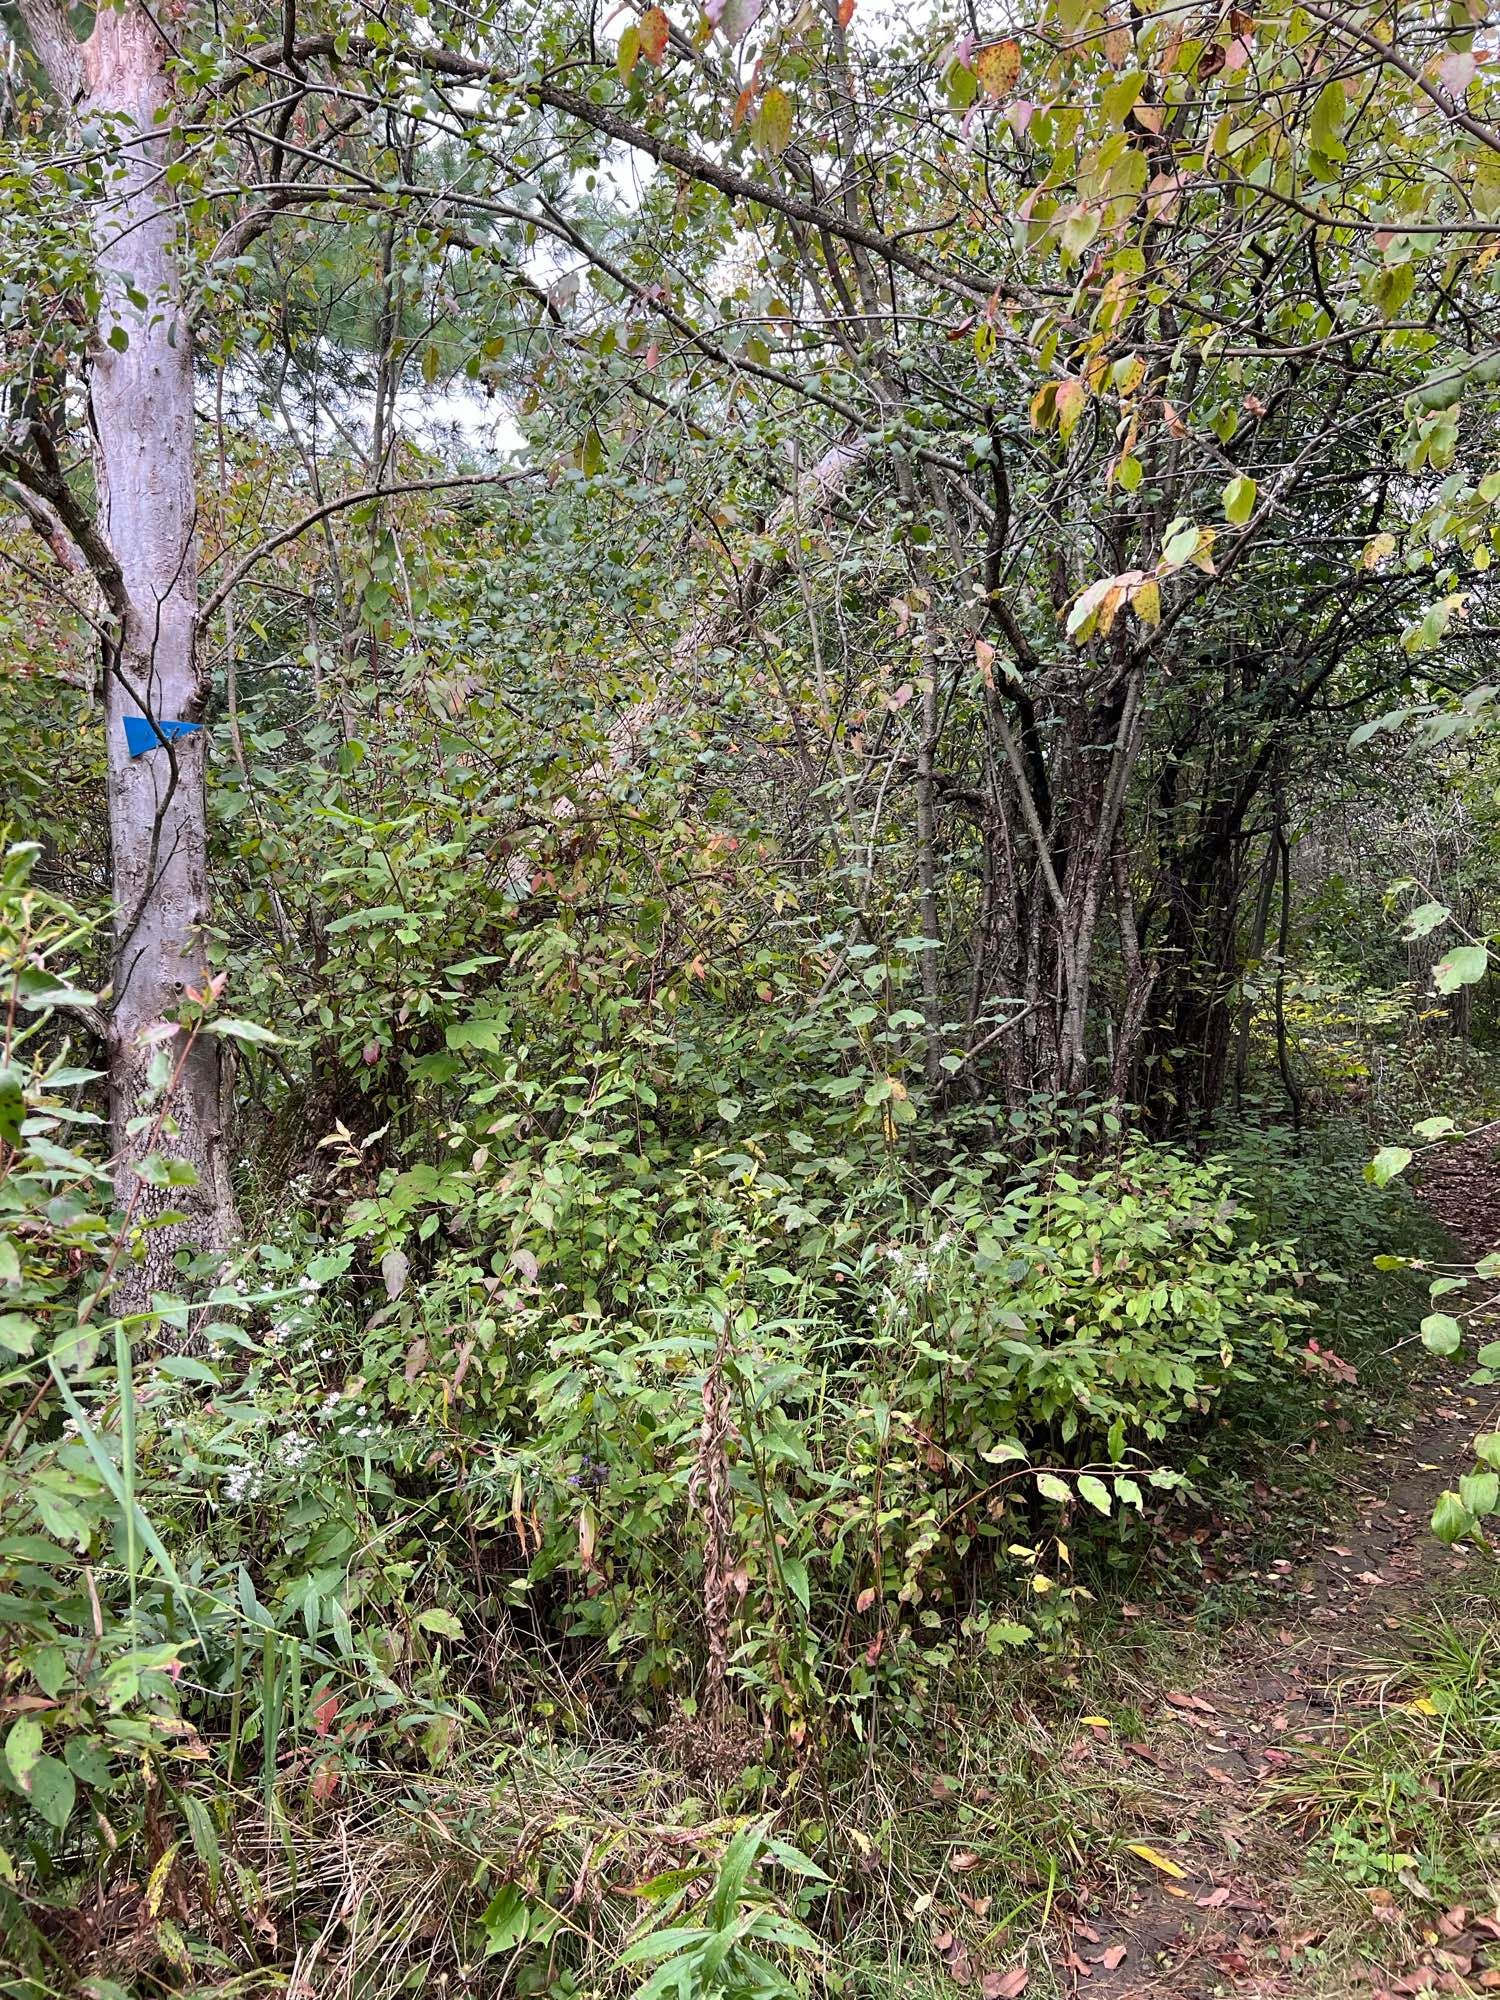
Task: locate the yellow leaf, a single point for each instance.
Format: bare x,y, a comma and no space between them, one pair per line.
1424,1705
1376,550
156,1886
1145,601
1096,1722
627,55
1072,399
998,67
773,122
1157,1860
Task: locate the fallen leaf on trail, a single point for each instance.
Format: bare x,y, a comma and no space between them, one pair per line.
1096,1722
1180,1700
1156,1860
1111,1958
1215,1901
963,1861
1005,1985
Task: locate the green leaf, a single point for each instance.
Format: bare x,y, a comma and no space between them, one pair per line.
997,1637
1441,1334
795,1572
158,1170
1387,1163
1052,1488
12,1103
506,1920
18,1333
1433,1128
1006,1452
1480,1492
1239,499
1451,1519
442,1622
23,1749
1487,1449
53,1791
1465,966
1095,1492
240,1031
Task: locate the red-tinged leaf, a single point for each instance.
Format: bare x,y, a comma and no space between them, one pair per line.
846,12
742,106
325,1713
998,68
653,356
1111,1958
865,1599
654,33
325,1781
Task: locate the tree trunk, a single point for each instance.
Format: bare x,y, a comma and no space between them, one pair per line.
165,1089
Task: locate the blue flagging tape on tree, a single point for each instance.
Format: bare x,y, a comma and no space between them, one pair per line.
141,735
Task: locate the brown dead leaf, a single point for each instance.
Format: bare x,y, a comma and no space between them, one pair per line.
1111,1958
1005,1985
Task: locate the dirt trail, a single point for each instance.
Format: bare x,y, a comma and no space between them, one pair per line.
1236,1922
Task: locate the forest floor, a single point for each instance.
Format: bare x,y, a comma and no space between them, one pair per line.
1308,1792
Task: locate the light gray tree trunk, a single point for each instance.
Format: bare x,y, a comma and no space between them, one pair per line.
141,412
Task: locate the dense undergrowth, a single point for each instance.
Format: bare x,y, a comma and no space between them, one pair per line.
552,1571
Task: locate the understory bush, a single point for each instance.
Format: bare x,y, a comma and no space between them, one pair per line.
604,1416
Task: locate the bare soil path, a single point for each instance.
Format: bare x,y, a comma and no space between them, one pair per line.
1215,1781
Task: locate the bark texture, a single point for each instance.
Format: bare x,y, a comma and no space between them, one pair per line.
141,410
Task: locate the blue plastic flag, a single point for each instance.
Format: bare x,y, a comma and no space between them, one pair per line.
141,735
